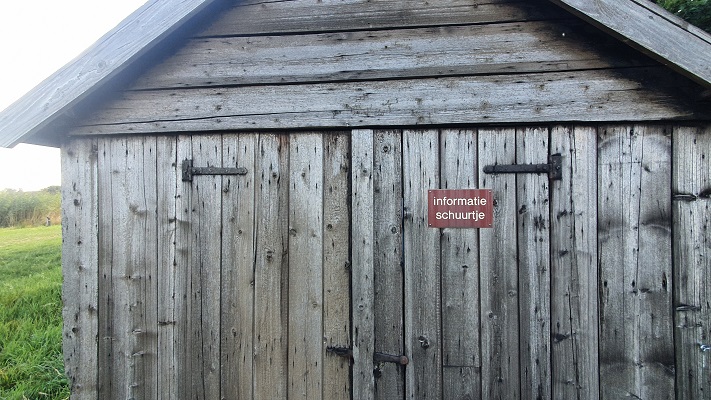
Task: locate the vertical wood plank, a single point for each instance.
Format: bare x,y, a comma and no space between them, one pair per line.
183,266
691,188
634,213
460,275
238,246
387,261
204,281
106,367
362,237
534,265
574,306
132,295
305,266
147,264
79,266
498,271
422,267
336,267
271,311
168,342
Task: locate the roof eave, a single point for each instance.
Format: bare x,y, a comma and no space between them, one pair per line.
133,38
652,30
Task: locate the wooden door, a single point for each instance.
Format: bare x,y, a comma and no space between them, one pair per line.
268,277
527,308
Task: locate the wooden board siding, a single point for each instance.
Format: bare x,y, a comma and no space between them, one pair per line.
691,190
574,291
534,241
490,49
449,63
80,250
271,269
388,262
634,214
461,347
498,271
362,234
192,295
421,257
234,286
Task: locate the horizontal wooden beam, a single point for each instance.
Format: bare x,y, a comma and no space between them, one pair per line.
266,17
506,48
596,95
650,28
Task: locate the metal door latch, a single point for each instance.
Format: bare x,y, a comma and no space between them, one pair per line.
189,171
554,168
377,356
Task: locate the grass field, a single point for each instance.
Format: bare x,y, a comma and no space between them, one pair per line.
31,365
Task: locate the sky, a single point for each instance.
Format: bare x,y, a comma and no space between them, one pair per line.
36,39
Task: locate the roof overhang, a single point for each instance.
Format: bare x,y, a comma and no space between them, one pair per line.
37,117
651,29
133,38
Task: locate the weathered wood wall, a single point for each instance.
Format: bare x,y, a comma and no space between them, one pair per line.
226,287
588,287
303,64
569,295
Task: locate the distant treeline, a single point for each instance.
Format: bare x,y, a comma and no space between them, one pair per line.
18,208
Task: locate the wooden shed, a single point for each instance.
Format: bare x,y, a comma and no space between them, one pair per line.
245,201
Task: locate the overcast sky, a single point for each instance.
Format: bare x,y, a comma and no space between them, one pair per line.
36,39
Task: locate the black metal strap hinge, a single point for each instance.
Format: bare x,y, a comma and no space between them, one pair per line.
189,171
554,168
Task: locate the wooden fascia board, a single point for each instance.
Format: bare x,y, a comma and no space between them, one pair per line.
134,37
653,30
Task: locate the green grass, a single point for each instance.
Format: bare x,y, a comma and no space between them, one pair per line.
31,364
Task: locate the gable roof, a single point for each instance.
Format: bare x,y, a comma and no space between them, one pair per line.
640,23
133,38
651,29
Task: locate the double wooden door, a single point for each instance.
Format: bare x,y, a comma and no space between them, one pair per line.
553,301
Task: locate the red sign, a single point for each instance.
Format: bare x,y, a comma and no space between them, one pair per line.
460,208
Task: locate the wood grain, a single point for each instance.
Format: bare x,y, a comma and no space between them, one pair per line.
574,271
499,272
388,262
336,265
305,266
533,224
634,247
461,352
691,181
237,292
507,48
362,275
80,251
297,17
423,298
271,276
205,279
560,96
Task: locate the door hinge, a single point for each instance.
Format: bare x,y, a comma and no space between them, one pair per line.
189,171
378,357
554,168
